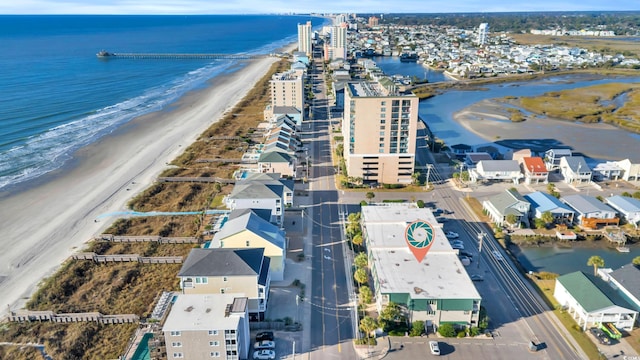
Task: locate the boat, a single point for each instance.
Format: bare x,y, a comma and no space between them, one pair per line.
408,57
104,53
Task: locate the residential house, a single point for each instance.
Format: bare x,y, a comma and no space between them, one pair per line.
245,229
609,170
591,213
277,162
203,326
517,154
630,170
590,301
574,169
471,159
262,191
627,281
489,149
534,170
292,112
552,158
435,289
542,202
506,203
461,150
223,271
628,207
497,170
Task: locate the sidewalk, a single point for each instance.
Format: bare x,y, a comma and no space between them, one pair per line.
378,351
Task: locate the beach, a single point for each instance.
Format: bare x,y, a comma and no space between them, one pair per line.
44,221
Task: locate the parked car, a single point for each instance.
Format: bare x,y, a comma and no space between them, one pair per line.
442,219
497,255
456,242
601,336
451,235
438,211
467,254
457,246
264,345
434,348
264,335
264,355
476,277
465,260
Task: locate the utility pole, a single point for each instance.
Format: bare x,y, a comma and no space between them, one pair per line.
429,166
480,238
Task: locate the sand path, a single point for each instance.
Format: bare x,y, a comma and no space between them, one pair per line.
44,224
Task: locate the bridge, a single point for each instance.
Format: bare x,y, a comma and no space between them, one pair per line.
108,55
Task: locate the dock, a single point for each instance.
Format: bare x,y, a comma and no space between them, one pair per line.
109,55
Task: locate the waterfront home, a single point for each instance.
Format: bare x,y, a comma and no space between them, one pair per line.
534,170
224,271
496,170
435,289
461,149
609,170
262,191
508,202
628,207
542,202
630,170
591,213
574,169
517,154
626,281
202,326
471,159
294,113
590,301
245,229
277,162
552,158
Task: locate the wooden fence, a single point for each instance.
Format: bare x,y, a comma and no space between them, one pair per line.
197,179
127,258
30,316
158,239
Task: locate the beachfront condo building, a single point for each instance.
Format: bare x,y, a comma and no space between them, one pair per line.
338,48
483,33
203,326
287,90
379,129
304,38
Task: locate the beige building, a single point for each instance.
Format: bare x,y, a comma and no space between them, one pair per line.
304,38
223,271
287,89
208,326
379,128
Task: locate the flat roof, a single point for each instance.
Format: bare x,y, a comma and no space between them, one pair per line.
193,312
440,275
366,89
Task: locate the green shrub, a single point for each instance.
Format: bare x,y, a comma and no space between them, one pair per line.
420,204
474,331
461,334
417,328
447,330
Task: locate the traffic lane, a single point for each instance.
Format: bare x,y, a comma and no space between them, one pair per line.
462,349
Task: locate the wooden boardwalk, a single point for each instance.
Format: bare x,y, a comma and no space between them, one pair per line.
127,258
196,179
31,316
139,239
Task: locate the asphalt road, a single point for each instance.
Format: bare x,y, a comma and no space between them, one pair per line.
331,322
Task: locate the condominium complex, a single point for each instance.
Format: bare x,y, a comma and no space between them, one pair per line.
304,38
379,128
208,326
338,48
287,89
483,33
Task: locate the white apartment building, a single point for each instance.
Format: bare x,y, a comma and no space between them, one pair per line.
304,38
483,33
287,89
379,129
338,49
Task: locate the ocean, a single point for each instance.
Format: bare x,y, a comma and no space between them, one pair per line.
56,96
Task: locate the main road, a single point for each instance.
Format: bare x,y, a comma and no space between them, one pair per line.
331,321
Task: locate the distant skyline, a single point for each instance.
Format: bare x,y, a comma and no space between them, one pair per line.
302,6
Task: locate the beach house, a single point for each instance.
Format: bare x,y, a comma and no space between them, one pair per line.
505,204
262,191
574,169
497,170
591,212
630,170
542,202
552,158
534,169
626,206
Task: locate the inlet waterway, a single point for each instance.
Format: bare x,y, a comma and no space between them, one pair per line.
391,65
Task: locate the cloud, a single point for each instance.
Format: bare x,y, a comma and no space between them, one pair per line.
301,6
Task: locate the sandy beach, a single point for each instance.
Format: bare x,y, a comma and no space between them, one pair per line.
489,120
44,222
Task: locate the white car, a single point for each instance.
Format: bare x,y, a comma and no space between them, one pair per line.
497,255
434,348
264,355
457,246
452,235
264,345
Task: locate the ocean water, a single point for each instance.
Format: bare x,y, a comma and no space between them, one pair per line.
57,96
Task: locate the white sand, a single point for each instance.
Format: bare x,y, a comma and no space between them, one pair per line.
44,225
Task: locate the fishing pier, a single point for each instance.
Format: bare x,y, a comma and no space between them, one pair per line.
109,55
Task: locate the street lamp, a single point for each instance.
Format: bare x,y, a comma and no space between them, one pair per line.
480,238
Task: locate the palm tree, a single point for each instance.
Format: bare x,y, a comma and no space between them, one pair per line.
370,195
547,217
368,325
361,261
595,261
361,276
636,260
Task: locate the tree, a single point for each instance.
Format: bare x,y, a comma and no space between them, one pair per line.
361,261
417,328
447,330
512,219
392,313
370,195
415,177
547,217
595,261
368,325
357,239
361,276
365,295
636,260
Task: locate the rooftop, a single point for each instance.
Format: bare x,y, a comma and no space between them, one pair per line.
367,89
193,312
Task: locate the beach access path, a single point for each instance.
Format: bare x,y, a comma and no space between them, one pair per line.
44,222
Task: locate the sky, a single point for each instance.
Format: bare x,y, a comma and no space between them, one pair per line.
302,6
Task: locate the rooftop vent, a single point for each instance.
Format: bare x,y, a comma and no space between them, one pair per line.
189,309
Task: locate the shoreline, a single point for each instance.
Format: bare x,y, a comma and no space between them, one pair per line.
47,219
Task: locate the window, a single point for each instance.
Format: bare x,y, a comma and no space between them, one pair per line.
213,332
178,355
221,290
248,243
225,279
175,333
176,344
221,244
214,354
202,280
214,343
